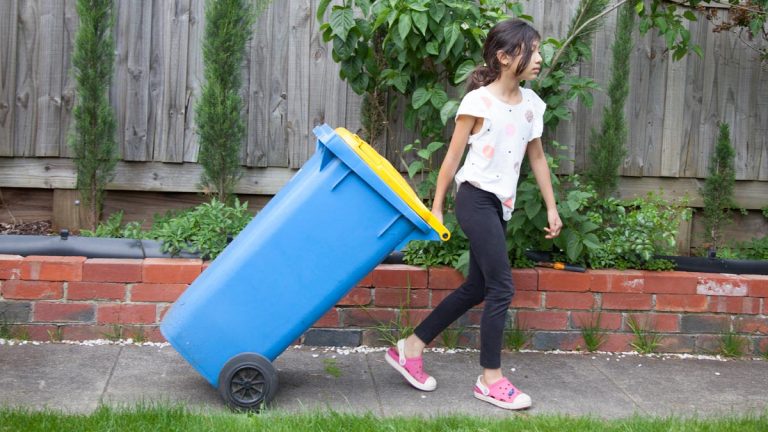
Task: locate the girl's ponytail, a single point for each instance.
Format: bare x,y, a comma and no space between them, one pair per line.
481,76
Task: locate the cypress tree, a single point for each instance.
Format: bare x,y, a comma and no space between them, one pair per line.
607,149
718,187
93,137
218,112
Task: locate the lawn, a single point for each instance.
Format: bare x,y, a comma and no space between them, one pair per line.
177,418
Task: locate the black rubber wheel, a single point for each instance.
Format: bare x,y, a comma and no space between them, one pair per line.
248,381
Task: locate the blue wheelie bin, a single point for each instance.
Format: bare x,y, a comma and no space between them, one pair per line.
333,222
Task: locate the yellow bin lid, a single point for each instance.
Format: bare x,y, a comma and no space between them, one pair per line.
393,179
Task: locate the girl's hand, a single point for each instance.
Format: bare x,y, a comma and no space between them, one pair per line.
438,213
555,224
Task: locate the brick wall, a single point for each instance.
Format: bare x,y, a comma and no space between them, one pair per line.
78,299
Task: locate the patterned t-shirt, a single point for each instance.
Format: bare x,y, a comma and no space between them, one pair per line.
496,152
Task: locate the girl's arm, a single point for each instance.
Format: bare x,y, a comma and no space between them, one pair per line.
540,170
461,132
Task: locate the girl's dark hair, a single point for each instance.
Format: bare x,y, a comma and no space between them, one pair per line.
512,36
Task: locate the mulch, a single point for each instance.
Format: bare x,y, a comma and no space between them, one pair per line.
27,228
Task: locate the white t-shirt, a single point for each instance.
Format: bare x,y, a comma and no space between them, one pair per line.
496,152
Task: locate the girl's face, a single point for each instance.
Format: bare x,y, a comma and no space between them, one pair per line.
509,64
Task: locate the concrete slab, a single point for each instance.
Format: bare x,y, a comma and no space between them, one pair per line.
158,375
69,378
685,387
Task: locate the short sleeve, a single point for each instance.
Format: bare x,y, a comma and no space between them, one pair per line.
472,105
539,106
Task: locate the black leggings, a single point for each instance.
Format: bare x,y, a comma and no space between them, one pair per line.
490,277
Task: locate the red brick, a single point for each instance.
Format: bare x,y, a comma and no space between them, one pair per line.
721,285
171,270
677,344
367,281
526,299
734,305
10,266
153,334
63,312
38,332
126,314
569,300
559,280
206,264
356,297
368,317
399,276
414,317
330,319
438,296
617,342
148,292
112,270
399,297
681,303
445,278
52,268
662,323
525,279
31,290
626,301
85,332
758,285
608,320
543,320
670,282
617,281
95,291
751,325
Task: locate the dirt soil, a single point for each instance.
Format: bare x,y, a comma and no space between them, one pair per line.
29,228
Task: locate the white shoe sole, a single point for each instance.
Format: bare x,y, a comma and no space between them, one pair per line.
429,385
522,401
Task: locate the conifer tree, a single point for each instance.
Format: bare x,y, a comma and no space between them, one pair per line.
718,188
93,137
607,149
219,110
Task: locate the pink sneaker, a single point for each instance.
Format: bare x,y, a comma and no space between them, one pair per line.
502,394
411,369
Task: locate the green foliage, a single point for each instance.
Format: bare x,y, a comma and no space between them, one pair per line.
646,340
732,345
114,334
718,188
592,333
203,229
56,335
219,110
607,149
632,233
451,336
92,139
516,335
331,367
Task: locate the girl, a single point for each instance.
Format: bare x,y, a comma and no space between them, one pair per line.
501,121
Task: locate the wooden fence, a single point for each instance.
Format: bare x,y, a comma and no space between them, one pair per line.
292,84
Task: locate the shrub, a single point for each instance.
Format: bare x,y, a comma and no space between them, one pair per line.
718,188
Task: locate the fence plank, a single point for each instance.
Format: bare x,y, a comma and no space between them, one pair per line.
298,83
672,120
49,76
71,21
258,63
9,11
194,79
26,91
277,134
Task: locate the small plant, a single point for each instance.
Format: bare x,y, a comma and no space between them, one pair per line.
516,336
718,188
138,335
451,336
114,228
732,345
400,327
115,333
592,333
646,340
56,335
331,367
6,328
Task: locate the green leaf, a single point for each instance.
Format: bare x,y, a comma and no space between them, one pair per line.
420,97
404,25
435,146
424,154
463,71
436,11
698,51
451,33
421,20
415,167
573,245
438,98
321,8
639,7
532,208
448,111
689,15
342,21
433,47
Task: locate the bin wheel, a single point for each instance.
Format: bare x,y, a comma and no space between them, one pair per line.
247,382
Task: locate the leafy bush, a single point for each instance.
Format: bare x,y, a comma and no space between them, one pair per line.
203,230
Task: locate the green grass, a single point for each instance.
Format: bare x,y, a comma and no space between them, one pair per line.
593,335
646,340
516,335
732,344
158,418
